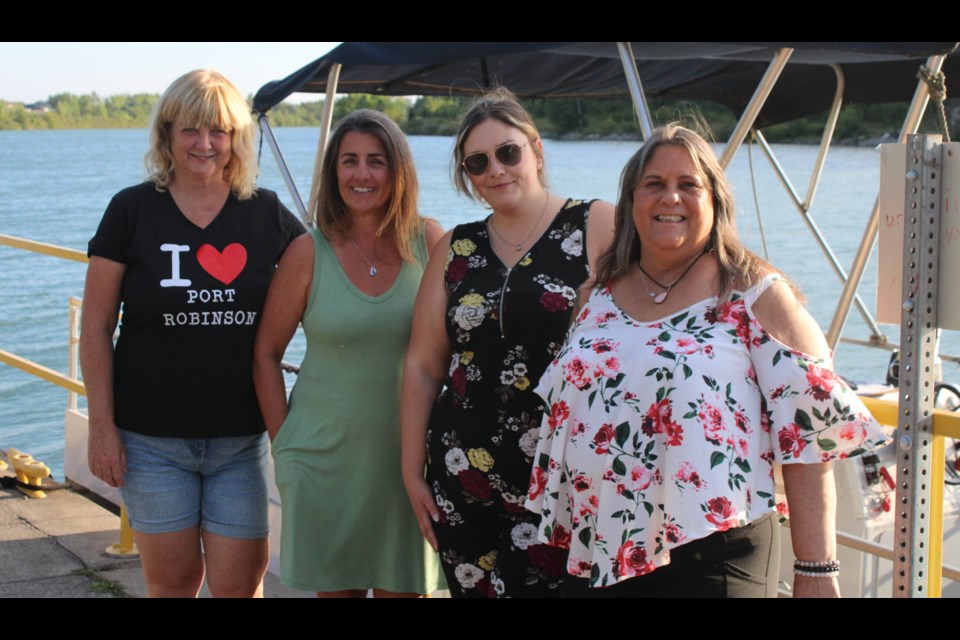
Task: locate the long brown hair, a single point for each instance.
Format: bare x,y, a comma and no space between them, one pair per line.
402,222
739,267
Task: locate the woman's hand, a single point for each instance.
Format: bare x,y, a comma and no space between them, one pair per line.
105,454
424,507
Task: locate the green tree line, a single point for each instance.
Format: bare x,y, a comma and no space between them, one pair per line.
430,115
89,111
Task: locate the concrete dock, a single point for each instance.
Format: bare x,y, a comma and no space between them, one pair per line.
55,548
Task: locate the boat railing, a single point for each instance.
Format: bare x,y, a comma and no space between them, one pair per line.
946,424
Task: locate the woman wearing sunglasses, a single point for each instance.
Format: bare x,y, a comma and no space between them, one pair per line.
492,310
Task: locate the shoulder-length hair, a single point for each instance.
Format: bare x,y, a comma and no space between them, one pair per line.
203,98
499,104
739,267
402,222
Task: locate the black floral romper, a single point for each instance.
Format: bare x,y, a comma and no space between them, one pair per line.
505,327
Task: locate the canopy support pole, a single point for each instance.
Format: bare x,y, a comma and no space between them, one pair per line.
828,129
267,133
752,110
640,106
326,120
815,231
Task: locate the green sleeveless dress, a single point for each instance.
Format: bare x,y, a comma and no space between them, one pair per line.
347,522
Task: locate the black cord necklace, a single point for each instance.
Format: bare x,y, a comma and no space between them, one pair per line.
658,298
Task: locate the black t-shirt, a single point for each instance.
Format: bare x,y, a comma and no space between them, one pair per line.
191,306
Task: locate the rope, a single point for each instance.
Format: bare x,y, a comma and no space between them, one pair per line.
937,88
756,203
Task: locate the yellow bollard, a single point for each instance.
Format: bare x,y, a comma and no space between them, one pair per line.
28,471
126,548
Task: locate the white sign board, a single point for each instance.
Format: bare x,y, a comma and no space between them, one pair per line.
890,258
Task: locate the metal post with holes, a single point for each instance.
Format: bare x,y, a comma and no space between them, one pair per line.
918,335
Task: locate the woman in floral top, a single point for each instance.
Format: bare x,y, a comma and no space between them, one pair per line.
691,370
493,307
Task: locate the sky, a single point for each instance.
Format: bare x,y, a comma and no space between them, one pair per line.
33,71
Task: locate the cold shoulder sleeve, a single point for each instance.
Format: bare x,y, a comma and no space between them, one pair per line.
809,412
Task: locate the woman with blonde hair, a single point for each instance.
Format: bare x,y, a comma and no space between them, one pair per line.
351,282
174,420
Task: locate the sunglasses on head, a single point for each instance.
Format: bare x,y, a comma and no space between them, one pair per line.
476,164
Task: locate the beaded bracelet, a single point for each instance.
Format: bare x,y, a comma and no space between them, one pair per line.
817,569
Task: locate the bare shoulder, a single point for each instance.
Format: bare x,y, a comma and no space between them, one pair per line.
600,230
439,252
442,246
785,318
602,207
433,231
295,272
300,251
602,214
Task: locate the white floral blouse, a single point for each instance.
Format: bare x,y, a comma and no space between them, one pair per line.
659,433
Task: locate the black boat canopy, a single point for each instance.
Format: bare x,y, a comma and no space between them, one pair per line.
724,72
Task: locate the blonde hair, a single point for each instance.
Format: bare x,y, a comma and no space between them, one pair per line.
499,104
739,267
402,222
203,98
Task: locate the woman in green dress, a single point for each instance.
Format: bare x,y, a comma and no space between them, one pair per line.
351,282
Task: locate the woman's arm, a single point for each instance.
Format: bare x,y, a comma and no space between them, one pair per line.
812,496
101,305
600,234
811,492
434,233
424,370
600,231
284,306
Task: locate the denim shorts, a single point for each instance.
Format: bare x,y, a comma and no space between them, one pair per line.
173,484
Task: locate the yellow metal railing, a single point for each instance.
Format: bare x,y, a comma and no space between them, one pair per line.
44,248
946,424
70,384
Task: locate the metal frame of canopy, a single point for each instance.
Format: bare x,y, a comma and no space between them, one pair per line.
851,280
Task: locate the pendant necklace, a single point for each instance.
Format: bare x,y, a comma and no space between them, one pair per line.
372,265
519,247
659,298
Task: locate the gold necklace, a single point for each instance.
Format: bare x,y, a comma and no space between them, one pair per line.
519,247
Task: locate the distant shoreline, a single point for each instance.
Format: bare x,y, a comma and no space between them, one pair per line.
560,119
